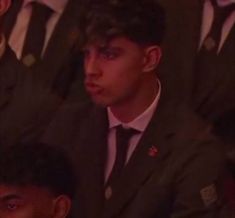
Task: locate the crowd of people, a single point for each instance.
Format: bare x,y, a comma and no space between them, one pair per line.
117,108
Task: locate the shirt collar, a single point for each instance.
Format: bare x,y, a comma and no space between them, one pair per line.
140,122
223,3
56,5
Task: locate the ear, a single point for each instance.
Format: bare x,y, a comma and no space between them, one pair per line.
152,58
62,205
4,5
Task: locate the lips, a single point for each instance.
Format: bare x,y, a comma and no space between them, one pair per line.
93,88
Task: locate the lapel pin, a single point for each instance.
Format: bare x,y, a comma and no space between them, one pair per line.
152,152
209,43
29,60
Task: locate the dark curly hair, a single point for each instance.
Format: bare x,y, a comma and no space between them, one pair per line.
142,21
38,165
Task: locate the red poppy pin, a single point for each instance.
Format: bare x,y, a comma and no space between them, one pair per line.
152,151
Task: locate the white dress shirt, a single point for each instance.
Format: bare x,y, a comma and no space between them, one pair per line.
207,19
139,123
18,33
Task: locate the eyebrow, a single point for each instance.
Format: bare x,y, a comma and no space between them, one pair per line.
9,197
108,47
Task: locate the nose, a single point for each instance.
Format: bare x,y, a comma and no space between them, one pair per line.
91,65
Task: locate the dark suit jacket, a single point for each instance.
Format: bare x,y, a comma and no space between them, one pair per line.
212,93
168,184
29,96
55,69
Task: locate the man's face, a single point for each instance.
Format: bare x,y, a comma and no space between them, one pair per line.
114,71
25,202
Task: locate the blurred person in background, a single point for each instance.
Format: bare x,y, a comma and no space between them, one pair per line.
36,181
41,66
203,34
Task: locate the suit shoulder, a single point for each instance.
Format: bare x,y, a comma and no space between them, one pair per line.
193,136
67,122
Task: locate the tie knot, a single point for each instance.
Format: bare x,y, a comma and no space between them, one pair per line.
125,133
40,9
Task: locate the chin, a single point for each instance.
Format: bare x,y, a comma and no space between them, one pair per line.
100,102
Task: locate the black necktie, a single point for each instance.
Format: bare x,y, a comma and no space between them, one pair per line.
35,35
213,38
122,142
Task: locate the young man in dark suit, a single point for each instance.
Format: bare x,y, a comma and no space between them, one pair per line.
139,153
36,77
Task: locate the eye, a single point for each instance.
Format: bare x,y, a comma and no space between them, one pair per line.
12,206
109,53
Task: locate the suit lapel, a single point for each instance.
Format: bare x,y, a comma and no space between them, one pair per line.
143,162
183,21
10,17
61,43
94,158
195,19
190,31
190,22
62,40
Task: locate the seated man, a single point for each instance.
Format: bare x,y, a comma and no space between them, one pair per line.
36,181
140,154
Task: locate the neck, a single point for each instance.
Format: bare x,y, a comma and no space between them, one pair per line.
137,105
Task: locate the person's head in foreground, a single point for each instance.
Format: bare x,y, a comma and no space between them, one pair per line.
121,48
36,181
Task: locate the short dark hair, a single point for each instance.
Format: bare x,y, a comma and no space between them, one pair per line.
142,21
38,165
